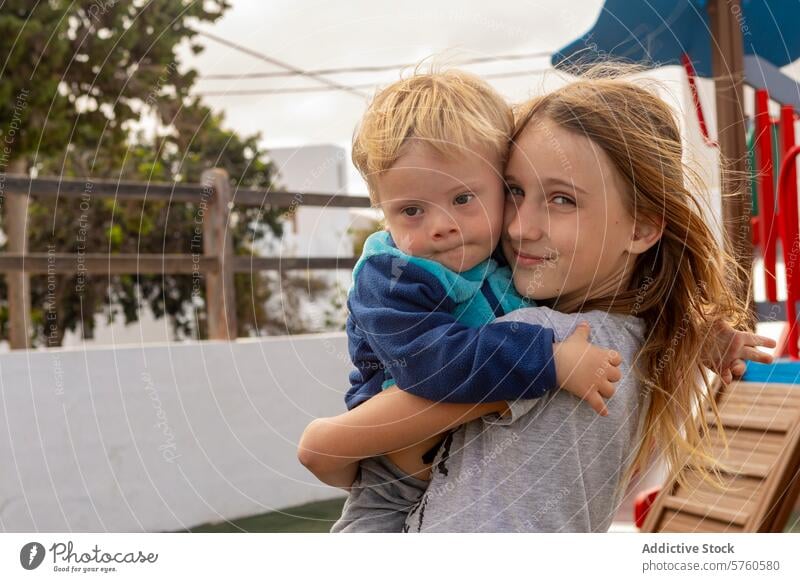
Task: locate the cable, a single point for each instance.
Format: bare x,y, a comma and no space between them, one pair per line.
278,63
364,69
290,90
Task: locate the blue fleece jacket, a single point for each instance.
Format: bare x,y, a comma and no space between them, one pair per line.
416,323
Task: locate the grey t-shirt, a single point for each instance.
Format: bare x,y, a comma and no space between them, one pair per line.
553,464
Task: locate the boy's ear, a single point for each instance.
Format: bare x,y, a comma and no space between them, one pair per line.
645,235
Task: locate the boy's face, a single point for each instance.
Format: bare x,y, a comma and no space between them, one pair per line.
445,208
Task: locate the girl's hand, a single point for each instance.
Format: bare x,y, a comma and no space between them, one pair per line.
586,370
729,348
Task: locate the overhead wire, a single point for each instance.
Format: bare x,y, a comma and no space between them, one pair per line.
290,90
318,75
279,63
363,69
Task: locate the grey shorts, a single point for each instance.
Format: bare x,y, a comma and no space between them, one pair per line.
380,499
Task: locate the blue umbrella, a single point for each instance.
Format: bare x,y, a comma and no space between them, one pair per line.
658,32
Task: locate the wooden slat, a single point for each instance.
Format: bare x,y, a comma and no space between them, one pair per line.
783,414
52,187
744,500
259,198
716,512
103,264
754,421
759,407
99,263
747,440
251,264
676,522
757,390
753,462
734,486
791,399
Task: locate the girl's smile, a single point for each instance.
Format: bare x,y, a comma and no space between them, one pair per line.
526,260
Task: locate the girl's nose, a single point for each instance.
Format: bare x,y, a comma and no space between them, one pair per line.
523,225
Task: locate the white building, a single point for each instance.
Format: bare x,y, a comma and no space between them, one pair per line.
313,231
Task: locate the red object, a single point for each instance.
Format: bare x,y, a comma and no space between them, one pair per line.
766,192
754,231
691,75
787,197
644,501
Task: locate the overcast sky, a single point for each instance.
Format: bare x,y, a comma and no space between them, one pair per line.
311,34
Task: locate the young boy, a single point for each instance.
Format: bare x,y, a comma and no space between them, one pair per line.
432,150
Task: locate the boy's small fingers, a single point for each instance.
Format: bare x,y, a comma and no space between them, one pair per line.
606,389
583,330
614,374
614,358
596,402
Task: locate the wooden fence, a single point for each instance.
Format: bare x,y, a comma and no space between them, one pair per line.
217,263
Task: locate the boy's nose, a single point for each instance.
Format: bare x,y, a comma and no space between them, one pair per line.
443,227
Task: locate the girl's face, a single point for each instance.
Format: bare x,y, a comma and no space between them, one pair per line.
567,234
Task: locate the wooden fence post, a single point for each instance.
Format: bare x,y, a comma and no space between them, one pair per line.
727,67
218,243
17,282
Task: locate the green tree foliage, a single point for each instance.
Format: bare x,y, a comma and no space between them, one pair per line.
97,89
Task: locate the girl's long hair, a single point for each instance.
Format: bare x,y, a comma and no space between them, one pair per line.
681,286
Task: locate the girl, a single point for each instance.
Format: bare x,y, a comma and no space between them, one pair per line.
604,223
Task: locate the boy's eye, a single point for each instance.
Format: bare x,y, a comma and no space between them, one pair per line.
514,191
412,211
464,198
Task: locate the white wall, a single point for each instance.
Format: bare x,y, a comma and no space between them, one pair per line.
162,437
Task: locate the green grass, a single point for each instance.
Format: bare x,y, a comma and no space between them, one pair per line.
319,517
311,517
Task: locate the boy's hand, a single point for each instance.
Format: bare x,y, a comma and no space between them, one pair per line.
585,370
727,349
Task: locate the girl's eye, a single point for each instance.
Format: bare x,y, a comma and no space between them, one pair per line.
561,200
412,211
464,198
514,191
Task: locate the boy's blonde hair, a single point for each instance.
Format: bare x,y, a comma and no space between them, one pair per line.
449,110
681,286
